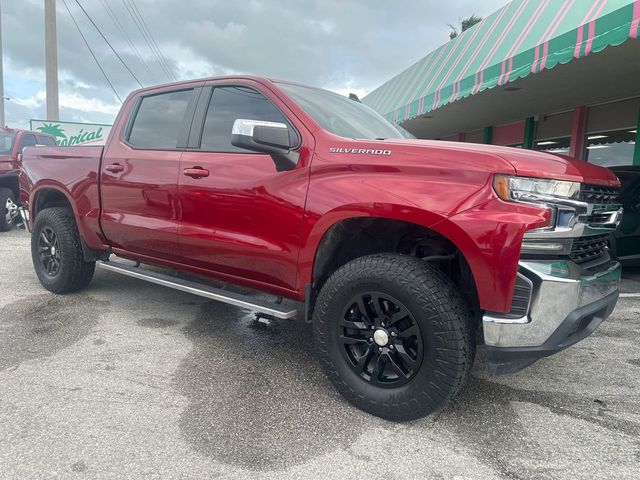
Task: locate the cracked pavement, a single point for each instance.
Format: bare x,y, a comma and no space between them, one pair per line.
132,380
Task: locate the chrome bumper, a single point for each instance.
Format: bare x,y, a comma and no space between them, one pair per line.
565,297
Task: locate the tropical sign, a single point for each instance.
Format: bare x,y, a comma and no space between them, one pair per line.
73,133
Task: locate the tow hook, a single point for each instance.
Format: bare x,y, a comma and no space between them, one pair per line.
24,216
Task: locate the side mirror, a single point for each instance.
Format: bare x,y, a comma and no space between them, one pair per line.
19,158
266,137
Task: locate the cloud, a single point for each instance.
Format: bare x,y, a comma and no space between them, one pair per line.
344,45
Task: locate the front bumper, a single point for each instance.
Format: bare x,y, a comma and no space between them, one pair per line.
567,304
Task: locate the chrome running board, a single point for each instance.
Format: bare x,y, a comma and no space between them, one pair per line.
202,290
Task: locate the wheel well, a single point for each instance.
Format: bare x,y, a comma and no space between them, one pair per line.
12,183
48,198
357,237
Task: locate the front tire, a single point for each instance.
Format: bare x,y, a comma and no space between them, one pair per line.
393,336
56,251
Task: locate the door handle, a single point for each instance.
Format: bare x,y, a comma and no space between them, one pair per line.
196,172
114,168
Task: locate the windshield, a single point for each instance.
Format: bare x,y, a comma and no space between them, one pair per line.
6,142
342,116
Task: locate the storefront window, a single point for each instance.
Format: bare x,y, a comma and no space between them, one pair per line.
611,148
554,145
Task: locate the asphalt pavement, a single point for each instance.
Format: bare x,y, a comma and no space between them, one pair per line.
131,380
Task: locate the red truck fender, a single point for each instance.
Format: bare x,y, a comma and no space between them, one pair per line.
487,236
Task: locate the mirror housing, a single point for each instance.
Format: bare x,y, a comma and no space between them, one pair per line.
273,138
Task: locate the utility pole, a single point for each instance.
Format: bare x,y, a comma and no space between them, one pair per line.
2,119
51,59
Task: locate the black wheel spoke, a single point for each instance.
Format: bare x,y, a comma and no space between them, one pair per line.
363,361
408,360
411,331
378,311
353,340
400,314
378,368
396,367
44,239
364,310
354,325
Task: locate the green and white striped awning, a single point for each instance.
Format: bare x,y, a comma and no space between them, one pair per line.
523,38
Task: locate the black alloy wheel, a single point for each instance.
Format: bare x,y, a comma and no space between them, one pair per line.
381,340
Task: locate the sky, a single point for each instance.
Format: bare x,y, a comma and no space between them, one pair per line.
347,46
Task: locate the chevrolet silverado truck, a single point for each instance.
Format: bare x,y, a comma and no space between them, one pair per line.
403,253
12,142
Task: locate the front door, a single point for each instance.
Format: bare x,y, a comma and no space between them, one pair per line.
240,217
139,175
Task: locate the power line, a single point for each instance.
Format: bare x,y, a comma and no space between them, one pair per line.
110,46
153,40
148,40
91,51
127,38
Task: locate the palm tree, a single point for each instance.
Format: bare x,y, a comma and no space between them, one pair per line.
465,25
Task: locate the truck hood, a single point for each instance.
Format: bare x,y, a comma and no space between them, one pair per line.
526,163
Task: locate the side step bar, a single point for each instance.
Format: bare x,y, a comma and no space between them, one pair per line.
207,291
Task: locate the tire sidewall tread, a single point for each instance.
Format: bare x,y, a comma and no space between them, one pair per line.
75,273
444,320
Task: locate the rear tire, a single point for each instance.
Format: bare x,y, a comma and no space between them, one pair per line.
7,202
411,350
56,251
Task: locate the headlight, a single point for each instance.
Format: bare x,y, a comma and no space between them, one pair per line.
560,197
534,190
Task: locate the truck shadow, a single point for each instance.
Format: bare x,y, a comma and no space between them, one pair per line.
40,325
257,396
258,400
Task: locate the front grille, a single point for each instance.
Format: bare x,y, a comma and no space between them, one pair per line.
586,249
598,194
603,199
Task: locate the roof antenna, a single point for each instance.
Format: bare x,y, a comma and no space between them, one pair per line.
354,97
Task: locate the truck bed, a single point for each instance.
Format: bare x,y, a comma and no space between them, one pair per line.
72,170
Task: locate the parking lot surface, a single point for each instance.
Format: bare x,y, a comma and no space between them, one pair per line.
132,380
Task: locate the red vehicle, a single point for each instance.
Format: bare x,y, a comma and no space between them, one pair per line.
400,251
12,142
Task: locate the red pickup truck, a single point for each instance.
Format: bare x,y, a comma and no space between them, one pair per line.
12,142
402,252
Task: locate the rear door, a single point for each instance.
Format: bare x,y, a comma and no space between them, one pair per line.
243,219
139,176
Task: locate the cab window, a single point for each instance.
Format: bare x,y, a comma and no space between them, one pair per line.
159,120
48,141
226,106
27,140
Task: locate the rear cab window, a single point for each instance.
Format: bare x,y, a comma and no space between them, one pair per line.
47,141
159,120
26,140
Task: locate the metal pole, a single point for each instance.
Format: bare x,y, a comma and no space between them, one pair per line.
51,59
2,119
